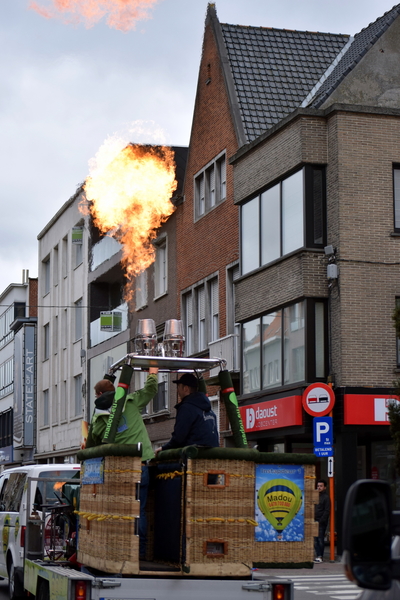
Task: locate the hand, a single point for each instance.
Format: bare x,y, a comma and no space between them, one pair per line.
157,450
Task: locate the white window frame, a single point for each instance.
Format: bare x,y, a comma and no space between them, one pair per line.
78,319
78,395
210,186
161,267
46,275
46,408
200,310
141,290
46,341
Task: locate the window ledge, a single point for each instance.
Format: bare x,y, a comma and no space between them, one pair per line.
160,413
160,296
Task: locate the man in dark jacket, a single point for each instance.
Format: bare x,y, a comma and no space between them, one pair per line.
322,512
196,423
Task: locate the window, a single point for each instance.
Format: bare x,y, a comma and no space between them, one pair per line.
78,320
63,402
45,413
287,216
274,347
77,243
55,334
6,428
161,268
64,257
46,341
233,274
64,333
6,377
214,309
141,290
201,315
55,266
15,310
396,195
160,400
54,405
210,186
78,395
46,276
188,322
11,493
200,296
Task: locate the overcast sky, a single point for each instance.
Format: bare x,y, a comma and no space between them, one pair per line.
66,88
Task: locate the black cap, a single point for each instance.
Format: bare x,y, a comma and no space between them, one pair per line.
188,379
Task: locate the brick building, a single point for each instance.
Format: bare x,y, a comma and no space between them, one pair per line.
318,196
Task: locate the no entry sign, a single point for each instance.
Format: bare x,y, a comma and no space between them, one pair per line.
318,399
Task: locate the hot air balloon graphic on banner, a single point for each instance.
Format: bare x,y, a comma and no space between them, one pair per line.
279,497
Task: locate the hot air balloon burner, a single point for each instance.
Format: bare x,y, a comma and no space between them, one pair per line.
173,339
145,340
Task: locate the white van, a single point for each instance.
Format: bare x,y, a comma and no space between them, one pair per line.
13,512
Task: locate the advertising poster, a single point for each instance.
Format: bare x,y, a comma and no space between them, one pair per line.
279,503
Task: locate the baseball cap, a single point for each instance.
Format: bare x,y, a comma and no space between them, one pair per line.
187,379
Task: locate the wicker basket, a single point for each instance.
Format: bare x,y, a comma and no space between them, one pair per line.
109,514
202,514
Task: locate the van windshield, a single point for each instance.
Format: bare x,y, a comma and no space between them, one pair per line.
53,492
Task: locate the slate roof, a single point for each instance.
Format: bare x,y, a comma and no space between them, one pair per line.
275,69
358,48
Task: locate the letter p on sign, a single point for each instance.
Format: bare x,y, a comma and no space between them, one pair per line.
321,429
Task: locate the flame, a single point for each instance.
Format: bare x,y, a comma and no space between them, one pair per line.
129,197
122,14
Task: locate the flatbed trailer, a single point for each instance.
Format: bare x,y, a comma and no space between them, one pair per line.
60,579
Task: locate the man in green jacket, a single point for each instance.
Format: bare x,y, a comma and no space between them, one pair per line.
131,430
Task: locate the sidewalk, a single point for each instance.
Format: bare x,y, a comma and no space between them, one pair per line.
324,568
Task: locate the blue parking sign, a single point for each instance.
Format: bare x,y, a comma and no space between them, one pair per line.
323,436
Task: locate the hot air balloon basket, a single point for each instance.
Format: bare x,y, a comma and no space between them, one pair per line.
219,516
108,516
220,519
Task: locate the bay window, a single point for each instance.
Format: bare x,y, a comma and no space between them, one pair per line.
274,346
285,217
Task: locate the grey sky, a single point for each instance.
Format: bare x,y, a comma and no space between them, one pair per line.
65,89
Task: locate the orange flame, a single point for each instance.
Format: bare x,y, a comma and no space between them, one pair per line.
123,14
130,197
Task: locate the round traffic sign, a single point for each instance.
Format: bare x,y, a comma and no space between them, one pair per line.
318,399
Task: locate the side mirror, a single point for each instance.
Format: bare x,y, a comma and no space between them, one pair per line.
367,534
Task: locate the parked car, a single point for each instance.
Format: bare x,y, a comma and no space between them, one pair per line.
46,488
371,542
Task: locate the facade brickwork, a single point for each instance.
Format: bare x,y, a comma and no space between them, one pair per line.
298,276
363,149
207,245
359,150
303,141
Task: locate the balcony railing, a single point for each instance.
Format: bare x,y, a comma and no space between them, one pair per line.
228,349
97,336
103,250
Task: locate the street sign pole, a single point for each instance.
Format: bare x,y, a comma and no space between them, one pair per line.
318,401
332,499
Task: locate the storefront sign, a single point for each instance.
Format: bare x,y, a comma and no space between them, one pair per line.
282,412
366,409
